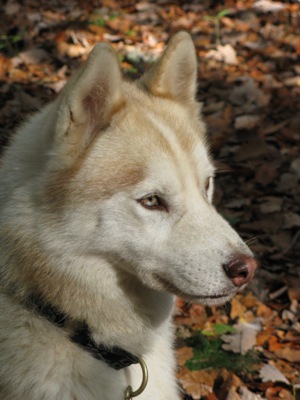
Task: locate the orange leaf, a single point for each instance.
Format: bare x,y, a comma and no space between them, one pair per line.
275,393
292,355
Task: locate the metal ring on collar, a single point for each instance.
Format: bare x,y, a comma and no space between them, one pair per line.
129,393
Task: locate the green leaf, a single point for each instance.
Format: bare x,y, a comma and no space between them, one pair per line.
209,18
131,33
222,13
16,38
98,22
219,329
208,352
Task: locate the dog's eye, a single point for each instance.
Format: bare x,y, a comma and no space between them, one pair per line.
153,202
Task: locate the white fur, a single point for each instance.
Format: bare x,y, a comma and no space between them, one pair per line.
74,230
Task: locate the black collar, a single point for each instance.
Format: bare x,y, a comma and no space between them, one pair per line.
115,357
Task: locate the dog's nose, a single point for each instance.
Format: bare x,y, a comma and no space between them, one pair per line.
241,269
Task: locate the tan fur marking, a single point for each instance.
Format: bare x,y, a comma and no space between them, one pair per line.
32,273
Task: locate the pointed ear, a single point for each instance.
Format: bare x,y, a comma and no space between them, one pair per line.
175,74
89,100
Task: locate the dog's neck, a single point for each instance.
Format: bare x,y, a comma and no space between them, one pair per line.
116,307
80,335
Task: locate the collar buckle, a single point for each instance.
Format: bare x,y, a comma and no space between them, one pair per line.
129,393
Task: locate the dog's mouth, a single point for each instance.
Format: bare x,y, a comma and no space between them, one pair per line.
167,286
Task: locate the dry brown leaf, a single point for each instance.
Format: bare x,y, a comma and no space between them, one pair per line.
232,394
295,166
292,355
274,344
194,315
27,102
237,309
266,173
291,220
246,394
247,121
275,393
287,182
293,284
12,8
271,204
197,383
226,383
183,354
34,56
248,96
5,66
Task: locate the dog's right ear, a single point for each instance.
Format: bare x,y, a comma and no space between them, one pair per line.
174,75
88,102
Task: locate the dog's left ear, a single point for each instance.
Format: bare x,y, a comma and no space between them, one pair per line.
88,102
174,76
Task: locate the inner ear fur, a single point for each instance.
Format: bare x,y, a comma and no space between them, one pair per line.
89,99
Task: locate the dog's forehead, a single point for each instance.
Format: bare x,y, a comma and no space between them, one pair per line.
187,159
164,129
150,135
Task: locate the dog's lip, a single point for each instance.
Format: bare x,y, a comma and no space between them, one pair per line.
167,286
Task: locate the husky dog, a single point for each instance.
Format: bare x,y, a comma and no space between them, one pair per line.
105,216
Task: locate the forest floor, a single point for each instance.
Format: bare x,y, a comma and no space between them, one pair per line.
249,82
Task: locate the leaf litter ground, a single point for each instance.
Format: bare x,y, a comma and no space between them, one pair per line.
249,82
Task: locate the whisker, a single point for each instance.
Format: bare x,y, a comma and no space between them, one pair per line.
251,240
227,308
222,167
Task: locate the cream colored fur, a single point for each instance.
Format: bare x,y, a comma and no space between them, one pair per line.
78,229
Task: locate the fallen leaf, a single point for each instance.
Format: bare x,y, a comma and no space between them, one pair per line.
274,344
27,102
295,166
275,393
183,354
247,121
266,173
237,309
267,6
291,220
248,96
12,8
269,373
34,56
246,394
5,66
270,204
293,284
225,54
294,81
244,338
292,355
293,336
197,383
226,382
232,394
228,54
287,181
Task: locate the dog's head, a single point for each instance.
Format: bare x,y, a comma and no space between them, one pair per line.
129,179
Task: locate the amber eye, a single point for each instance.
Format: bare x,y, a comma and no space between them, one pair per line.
153,202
